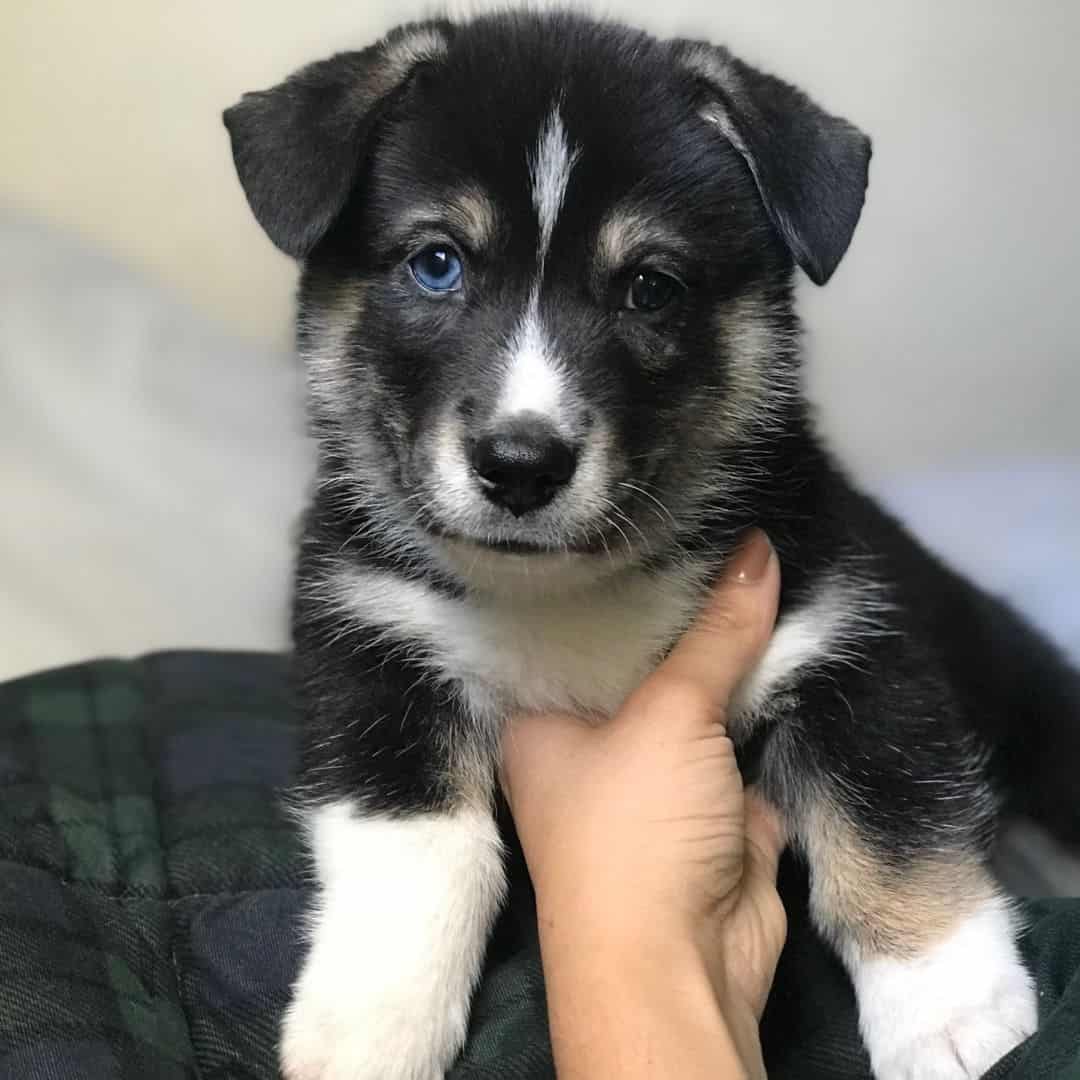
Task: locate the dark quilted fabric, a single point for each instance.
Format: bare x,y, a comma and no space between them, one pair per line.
151,892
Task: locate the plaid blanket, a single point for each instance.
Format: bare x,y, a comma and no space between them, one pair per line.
151,893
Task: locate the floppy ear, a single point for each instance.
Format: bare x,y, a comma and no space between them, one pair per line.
297,147
810,167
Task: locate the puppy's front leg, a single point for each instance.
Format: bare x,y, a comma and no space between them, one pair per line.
397,939
929,942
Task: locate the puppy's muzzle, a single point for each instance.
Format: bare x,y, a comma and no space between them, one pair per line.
522,464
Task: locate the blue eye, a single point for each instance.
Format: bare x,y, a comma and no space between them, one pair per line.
437,269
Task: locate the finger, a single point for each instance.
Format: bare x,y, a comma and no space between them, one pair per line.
765,838
733,628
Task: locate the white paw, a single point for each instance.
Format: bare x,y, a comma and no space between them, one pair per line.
328,1035
952,1012
964,1045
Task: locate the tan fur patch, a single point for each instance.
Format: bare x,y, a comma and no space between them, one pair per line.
629,233
328,324
761,378
858,898
468,212
473,214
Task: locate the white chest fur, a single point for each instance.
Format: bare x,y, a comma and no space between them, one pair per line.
577,652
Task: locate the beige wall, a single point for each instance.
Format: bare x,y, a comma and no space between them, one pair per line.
111,114
949,333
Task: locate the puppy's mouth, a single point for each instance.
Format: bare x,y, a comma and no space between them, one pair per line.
502,546
518,567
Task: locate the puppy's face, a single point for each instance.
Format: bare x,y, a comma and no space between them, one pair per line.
551,316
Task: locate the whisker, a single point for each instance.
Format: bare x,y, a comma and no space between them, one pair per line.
616,527
633,525
641,491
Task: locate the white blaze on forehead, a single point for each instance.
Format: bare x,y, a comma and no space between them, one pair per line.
550,168
534,378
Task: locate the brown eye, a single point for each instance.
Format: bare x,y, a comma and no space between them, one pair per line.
651,290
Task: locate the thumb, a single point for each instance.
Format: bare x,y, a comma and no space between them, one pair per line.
733,628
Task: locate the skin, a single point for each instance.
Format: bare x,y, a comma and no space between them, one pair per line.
655,871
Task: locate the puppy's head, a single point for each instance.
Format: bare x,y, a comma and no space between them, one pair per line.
546,301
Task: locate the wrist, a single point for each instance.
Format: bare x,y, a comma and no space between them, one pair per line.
601,970
617,918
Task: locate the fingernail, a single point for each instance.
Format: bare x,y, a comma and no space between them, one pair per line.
751,560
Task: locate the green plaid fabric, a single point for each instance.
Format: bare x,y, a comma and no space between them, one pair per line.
149,881
151,893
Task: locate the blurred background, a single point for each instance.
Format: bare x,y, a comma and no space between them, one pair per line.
152,458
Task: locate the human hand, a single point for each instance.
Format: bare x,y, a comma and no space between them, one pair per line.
637,831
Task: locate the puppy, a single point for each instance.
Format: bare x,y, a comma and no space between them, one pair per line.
546,316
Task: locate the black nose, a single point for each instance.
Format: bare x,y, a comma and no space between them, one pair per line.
522,465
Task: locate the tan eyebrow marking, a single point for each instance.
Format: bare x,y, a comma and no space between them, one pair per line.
474,213
468,211
630,231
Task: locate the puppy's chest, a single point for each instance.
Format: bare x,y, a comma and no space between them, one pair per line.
582,652
585,657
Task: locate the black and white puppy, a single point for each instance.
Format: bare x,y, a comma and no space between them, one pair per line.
546,315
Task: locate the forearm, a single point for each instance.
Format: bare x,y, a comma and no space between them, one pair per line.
640,1007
